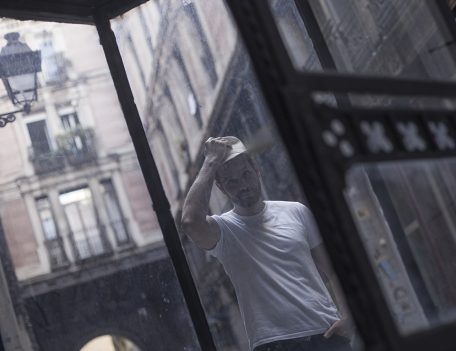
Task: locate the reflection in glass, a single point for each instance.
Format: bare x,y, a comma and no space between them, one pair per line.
405,212
393,38
200,84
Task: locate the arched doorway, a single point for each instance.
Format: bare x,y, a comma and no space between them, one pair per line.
110,343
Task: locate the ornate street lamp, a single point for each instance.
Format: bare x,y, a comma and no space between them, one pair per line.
18,70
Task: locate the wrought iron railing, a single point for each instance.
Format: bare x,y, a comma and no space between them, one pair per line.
57,254
75,147
90,242
48,162
78,145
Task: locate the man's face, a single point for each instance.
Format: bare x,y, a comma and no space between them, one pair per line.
240,181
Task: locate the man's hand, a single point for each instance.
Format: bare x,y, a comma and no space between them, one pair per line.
342,327
216,150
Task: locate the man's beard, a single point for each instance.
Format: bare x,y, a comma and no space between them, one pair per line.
250,198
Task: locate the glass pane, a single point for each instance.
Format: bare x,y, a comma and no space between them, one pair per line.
391,37
116,220
47,219
39,137
73,196
405,212
199,83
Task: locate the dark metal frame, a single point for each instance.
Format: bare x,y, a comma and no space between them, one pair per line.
320,170
153,182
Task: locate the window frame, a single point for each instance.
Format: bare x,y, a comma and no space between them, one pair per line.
37,118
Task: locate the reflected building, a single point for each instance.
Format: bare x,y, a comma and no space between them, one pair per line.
86,255
191,79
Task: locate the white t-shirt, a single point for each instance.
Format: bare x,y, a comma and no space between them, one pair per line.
267,256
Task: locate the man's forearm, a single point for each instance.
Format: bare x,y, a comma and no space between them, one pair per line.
196,206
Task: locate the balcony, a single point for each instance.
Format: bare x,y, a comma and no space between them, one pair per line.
90,243
48,162
87,244
78,146
74,148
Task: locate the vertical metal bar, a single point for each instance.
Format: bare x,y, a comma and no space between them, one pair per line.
316,35
320,45
152,178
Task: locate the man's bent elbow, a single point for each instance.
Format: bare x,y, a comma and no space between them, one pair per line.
191,228
187,226
197,233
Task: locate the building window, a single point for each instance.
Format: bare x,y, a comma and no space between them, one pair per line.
206,56
187,88
70,120
52,240
86,232
44,157
117,222
77,142
39,137
169,111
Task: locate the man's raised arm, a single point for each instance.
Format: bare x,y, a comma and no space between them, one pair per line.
196,223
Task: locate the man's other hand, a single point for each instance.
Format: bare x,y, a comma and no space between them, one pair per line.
342,327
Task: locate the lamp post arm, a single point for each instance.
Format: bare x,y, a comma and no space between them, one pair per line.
8,117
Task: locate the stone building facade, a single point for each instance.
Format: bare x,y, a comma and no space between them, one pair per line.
76,216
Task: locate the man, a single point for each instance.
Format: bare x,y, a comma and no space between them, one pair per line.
270,250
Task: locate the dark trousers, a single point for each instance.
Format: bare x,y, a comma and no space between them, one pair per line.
310,343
